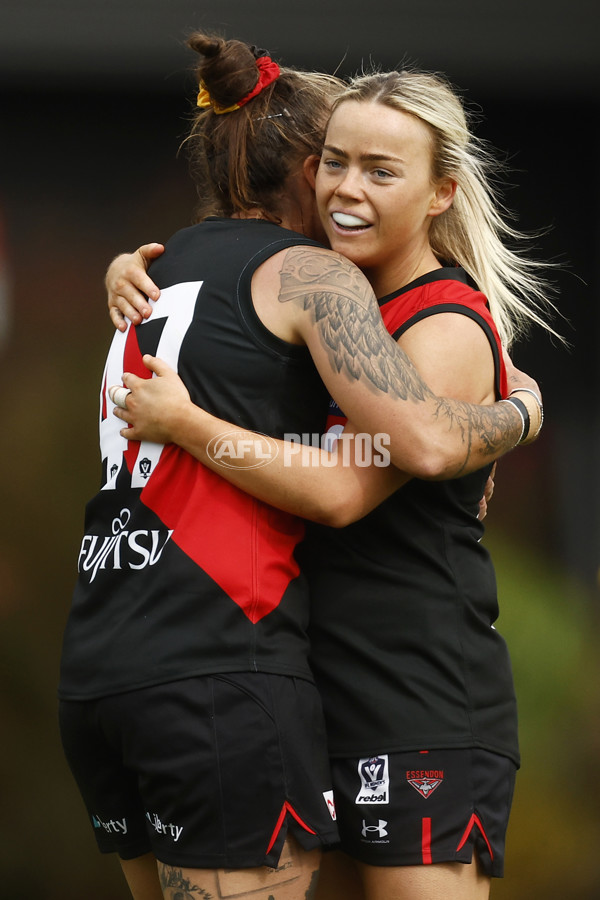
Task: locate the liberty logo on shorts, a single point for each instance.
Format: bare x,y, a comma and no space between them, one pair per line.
115,826
374,780
425,782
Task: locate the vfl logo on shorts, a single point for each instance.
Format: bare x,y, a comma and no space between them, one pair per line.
374,780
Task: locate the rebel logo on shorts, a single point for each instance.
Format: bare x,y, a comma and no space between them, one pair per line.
425,782
374,780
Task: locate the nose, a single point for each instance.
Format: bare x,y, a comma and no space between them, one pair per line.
350,185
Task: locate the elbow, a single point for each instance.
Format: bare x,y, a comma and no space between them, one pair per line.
342,517
436,467
338,512
431,462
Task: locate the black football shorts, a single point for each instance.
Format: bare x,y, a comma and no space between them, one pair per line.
208,772
423,807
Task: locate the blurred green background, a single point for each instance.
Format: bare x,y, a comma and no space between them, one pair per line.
93,111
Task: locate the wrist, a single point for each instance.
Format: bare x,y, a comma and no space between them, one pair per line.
195,428
530,407
178,419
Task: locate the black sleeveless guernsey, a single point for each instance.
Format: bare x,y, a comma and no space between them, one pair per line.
180,573
404,648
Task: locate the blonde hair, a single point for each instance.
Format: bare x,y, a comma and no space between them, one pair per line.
472,232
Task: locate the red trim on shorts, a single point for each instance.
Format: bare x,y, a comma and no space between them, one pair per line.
475,820
285,809
426,841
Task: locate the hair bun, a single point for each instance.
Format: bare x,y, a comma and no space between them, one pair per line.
211,48
228,70
258,52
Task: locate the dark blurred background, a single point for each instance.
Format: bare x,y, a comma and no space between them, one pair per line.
94,102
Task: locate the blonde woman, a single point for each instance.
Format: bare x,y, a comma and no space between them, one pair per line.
415,679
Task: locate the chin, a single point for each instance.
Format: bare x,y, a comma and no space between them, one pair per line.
347,249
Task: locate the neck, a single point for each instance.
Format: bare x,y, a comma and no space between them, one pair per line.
386,279
287,219
255,213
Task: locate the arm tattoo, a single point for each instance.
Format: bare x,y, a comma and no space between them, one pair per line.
495,428
343,307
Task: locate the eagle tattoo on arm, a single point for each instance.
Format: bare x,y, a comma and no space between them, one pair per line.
345,312
344,309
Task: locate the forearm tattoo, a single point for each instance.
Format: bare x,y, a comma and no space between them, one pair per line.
494,430
345,312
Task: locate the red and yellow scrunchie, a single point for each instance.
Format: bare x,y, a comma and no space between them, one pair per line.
268,71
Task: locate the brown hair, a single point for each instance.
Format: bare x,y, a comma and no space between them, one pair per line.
241,160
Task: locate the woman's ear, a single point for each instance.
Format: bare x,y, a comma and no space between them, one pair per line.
310,166
443,197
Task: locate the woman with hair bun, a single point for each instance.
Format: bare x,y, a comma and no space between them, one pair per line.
188,710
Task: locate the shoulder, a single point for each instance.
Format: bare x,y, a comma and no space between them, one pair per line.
453,354
307,271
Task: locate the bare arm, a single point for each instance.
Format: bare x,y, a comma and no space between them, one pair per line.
331,488
376,383
334,489
334,312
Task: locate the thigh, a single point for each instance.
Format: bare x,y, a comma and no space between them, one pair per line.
450,881
141,875
294,878
339,878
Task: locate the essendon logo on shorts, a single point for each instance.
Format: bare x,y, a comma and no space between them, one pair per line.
425,782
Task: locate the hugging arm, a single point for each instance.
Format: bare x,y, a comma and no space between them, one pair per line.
128,285
377,385
332,488
335,313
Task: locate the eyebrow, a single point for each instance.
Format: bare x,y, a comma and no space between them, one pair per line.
369,157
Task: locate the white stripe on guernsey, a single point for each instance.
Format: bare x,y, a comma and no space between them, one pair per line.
112,445
176,304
